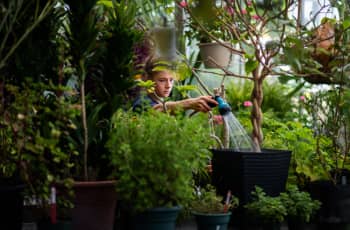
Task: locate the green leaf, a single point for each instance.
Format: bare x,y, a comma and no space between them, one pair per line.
107,3
146,84
251,65
346,23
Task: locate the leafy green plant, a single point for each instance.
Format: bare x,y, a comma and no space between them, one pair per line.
207,201
155,155
265,208
299,204
305,165
100,55
328,115
34,138
278,97
323,56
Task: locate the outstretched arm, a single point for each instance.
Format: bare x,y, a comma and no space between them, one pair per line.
199,104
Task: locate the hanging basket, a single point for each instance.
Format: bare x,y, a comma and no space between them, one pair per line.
215,55
164,38
324,53
319,79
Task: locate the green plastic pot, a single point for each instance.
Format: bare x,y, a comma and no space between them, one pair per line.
162,218
218,221
60,225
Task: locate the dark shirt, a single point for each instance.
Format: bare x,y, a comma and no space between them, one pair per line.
142,103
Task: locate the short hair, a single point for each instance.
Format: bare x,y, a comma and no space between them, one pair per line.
153,66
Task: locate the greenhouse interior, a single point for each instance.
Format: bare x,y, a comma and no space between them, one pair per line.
86,87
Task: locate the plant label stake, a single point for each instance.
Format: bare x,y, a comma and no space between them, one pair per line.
227,201
53,213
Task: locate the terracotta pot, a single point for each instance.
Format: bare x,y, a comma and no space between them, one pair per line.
216,52
94,205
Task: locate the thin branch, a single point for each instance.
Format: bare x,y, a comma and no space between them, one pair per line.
226,73
47,8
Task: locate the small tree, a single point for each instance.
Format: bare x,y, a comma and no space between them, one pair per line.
258,32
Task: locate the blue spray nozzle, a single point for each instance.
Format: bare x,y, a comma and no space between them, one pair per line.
223,106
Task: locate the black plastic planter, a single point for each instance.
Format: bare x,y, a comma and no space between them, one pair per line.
11,208
335,199
240,171
296,224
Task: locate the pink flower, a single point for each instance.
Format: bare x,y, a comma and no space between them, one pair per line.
249,3
247,104
229,10
302,98
243,11
256,17
183,4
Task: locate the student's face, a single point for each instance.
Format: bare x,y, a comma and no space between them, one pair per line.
164,83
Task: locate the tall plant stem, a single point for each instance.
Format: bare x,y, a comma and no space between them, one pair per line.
83,116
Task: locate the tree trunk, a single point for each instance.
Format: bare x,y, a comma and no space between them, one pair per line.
256,114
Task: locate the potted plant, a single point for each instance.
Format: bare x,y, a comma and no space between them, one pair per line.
35,149
265,212
155,156
212,211
300,207
36,152
213,40
322,55
331,151
245,25
99,57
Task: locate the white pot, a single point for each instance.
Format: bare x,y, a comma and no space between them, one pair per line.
215,52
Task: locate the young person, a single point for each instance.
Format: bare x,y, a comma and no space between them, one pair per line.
164,78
